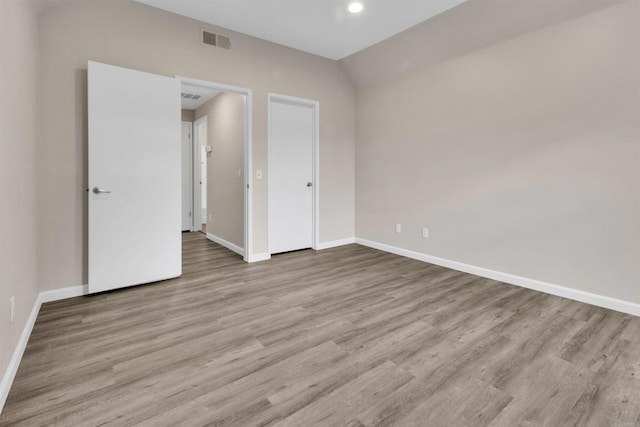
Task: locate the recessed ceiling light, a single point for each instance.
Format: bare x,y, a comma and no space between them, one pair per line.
355,7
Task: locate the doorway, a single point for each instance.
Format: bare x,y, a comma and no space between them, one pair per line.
293,173
220,162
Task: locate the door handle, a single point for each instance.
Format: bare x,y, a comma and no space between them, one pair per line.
309,184
97,190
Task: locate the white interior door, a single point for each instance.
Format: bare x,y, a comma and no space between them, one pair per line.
187,179
291,136
203,181
134,177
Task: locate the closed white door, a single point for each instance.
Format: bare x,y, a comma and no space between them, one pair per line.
291,143
187,179
134,177
203,182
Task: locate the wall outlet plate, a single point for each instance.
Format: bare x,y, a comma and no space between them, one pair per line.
398,228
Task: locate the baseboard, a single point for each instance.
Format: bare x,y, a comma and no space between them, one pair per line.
235,248
320,246
335,243
537,285
259,257
14,363
64,293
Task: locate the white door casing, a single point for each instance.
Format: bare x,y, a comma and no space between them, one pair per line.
249,256
199,197
187,178
134,152
292,172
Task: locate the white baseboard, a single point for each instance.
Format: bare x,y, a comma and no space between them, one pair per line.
259,257
64,293
235,248
335,243
14,363
549,288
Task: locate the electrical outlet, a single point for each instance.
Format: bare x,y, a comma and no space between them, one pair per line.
12,309
398,228
239,173
210,217
259,174
425,233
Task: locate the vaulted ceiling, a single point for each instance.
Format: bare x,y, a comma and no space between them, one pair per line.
321,27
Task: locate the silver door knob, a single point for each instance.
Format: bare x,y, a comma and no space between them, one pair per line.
309,184
97,190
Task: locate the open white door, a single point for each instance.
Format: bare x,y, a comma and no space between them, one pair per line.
291,174
134,177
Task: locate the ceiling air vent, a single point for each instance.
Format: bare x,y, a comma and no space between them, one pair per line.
191,96
215,40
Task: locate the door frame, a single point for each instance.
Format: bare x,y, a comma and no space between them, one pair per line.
182,123
197,197
248,155
315,150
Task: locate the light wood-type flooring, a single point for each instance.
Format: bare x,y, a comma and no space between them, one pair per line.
344,337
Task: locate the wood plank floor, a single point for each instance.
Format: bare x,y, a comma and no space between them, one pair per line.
342,337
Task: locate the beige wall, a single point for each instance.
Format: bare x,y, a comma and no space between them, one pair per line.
188,115
18,154
521,156
225,191
128,34
484,22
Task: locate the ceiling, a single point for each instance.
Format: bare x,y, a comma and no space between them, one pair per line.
204,94
320,27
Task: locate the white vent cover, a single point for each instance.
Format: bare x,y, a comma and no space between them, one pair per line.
215,40
191,96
